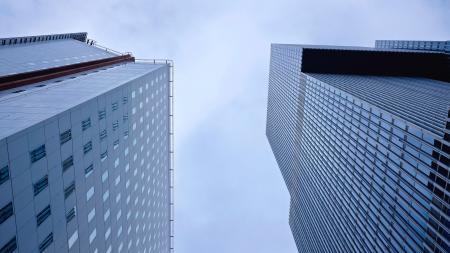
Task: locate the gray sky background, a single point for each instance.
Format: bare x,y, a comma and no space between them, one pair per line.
230,196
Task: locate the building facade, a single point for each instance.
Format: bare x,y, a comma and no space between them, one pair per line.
362,139
86,145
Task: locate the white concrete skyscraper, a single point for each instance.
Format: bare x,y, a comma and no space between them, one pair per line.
86,146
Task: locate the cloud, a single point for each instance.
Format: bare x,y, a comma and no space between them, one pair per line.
230,196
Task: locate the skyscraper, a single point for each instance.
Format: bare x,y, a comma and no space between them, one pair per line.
85,148
362,138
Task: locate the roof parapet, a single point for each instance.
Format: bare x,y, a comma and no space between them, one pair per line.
81,36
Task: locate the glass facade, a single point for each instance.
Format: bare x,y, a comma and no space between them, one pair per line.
365,157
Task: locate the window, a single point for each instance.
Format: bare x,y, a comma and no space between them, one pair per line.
91,215
124,100
101,114
106,215
107,233
104,155
37,154
90,193
88,170
10,246
70,214
85,124
4,174
116,144
92,235
6,212
115,106
45,243
105,195
73,239
43,215
69,190
103,134
66,164
125,117
125,134
104,176
40,185
87,147
65,137
115,125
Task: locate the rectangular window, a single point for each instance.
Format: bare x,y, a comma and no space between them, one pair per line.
65,137
69,189
37,154
90,193
116,144
85,124
125,134
88,171
115,106
101,114
87,147
105,195
70,214
6,212
106,215
40,185
45,243
4,174
104,155
66,164
115,125
103,134
107,233
92,235
10,246
104,176
125,117
73,239
43,215
91,215
124,100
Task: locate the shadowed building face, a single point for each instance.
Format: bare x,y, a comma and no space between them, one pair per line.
362,138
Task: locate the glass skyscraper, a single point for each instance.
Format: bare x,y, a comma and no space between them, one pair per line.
362,138
85,148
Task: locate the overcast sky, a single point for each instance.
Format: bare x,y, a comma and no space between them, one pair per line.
230,196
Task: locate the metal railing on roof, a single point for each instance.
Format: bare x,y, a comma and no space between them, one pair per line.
41,38
107,49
